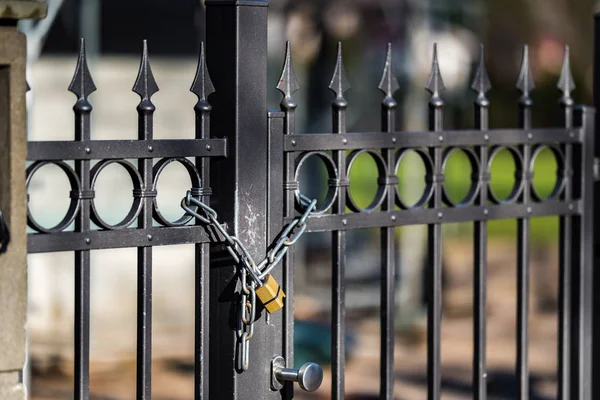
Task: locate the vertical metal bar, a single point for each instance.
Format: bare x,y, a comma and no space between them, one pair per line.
82,85
565,243
525,84
145,86
278,206
523,303
202,87
594,216
582,260
481,85
236,33
586,292
339,85
288,267
201,313
288,84
388,86
435,85
565,284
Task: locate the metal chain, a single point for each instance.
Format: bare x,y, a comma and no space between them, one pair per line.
249,270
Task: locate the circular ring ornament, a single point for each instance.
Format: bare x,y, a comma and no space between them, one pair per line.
191,169
518,185
428,190
381,186
136,206
475,171
560,173
332,174
74,204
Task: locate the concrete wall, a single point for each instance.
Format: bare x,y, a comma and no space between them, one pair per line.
13,284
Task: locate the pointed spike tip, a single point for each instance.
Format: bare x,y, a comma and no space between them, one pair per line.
435,84
525,84
82,84
288,82
145,84
339,82
566,84
481,83
202,85
389,82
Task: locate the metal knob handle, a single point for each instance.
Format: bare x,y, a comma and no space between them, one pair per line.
309,376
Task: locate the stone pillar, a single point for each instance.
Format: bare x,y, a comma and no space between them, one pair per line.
13,147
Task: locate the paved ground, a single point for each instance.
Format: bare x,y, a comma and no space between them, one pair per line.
172,379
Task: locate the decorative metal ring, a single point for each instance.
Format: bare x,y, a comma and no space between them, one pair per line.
428,190
381,186
332,173
519,181
196,185
475,172
74,204
136,206
561,180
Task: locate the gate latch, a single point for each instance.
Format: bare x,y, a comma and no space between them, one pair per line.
309,376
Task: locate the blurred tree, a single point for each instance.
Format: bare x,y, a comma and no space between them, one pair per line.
546,26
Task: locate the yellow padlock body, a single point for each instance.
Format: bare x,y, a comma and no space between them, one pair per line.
271,294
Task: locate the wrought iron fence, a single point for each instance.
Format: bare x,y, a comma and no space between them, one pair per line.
258,193
144,226
570,198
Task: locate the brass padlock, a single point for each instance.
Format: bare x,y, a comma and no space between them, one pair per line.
271,294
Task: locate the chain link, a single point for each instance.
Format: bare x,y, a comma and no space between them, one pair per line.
248,269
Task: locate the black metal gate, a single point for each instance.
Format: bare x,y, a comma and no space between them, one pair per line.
246,167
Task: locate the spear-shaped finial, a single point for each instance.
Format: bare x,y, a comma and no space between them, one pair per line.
565,83
389,83
339,82
481,83
145,85
82,84
435,84
525,83
202,85
288,83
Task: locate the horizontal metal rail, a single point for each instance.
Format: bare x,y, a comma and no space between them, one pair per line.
466,138
132,149
423,216
115,239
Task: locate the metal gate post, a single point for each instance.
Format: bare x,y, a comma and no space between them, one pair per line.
595,209
582,256
236,33
13,139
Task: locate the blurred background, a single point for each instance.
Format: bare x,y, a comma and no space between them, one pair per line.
114,31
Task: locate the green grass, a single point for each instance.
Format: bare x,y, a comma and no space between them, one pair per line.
363,178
